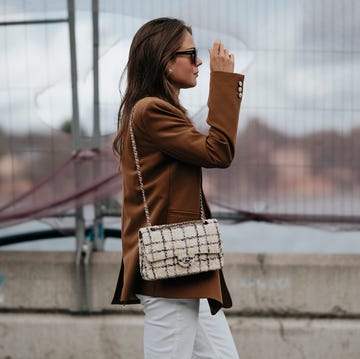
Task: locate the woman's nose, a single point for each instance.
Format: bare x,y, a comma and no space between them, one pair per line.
198,62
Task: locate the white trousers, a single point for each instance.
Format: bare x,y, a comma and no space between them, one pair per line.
185,329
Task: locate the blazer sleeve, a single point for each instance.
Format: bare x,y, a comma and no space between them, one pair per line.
175,135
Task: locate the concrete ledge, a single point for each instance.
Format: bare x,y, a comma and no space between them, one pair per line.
280,305
289,284
294,284
63,336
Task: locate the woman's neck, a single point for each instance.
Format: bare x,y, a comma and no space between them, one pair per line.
176,92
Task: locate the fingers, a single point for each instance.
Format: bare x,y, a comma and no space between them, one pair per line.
216,46
220,58
221,49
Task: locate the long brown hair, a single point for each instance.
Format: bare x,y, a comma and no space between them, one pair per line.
153,46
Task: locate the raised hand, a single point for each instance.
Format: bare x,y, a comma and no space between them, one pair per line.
220,58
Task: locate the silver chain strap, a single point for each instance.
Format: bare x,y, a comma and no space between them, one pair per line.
202,212
137,163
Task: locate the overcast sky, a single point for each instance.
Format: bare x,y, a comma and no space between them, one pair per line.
301,60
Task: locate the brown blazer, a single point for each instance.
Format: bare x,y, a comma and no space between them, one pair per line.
171,154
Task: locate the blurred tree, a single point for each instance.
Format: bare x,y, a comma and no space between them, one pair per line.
66,127
3,141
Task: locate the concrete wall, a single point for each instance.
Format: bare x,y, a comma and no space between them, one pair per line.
285,306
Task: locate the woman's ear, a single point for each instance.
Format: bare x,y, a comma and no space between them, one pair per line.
170,67
169,70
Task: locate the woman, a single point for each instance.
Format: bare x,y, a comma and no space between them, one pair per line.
163,60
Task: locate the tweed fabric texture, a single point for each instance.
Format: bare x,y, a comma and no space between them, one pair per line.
180,249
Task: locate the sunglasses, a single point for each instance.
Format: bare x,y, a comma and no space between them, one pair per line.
192,53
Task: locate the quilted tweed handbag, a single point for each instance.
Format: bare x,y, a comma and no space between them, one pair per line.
177,249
